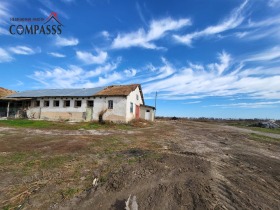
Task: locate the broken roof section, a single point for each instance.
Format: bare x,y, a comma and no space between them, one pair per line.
114,90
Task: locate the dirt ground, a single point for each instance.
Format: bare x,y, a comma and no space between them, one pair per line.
167,165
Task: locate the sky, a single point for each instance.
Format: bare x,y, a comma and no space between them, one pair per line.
204,58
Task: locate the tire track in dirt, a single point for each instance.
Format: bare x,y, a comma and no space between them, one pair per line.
238,184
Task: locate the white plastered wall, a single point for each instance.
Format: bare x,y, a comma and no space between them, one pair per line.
118,113
132,98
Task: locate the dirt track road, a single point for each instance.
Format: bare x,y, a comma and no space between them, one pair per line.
203,166
244,130
171,165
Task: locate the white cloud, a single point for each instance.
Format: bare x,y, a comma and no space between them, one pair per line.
19,83
234,20
4,12
115,76
5,56
22,50
144,39
150,67
192,102
254,105
225,78
261,29
4,31
88,58
52,7
109,67
140,13
223,65
271,54
264,23
274,3
196,67
4,17
68,1
58,55
44,12
60,41
130,72
105,34
158,73
77,77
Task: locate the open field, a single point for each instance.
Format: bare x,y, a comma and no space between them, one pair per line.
166,165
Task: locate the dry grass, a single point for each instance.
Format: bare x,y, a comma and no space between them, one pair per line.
63,166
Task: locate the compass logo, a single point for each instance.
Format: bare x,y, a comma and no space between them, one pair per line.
46,26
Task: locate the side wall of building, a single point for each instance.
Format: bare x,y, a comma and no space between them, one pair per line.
61,112
115,114
81,113
147,113
135,98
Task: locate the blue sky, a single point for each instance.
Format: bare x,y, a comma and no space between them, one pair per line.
204,58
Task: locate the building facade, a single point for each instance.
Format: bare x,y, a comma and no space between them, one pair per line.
117,103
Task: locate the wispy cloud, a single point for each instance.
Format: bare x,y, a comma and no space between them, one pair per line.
274,3
224,59
4,31
52,7
4,13
141,38
44,12
140,13
234,20
215,79
68,1
270,54
261,29
89,58
71,41
105,34
5,56
254,105
192,102
130,72
19,83
23,50
77,77
58,55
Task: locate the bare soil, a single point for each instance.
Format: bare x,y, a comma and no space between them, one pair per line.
169,165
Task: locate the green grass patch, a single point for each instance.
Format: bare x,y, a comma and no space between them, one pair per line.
8,207
262,138
55,162
62,125
246,125
13,158
29,161
24,123
266,130
69,192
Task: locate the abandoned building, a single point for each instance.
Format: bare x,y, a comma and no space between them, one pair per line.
117,103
